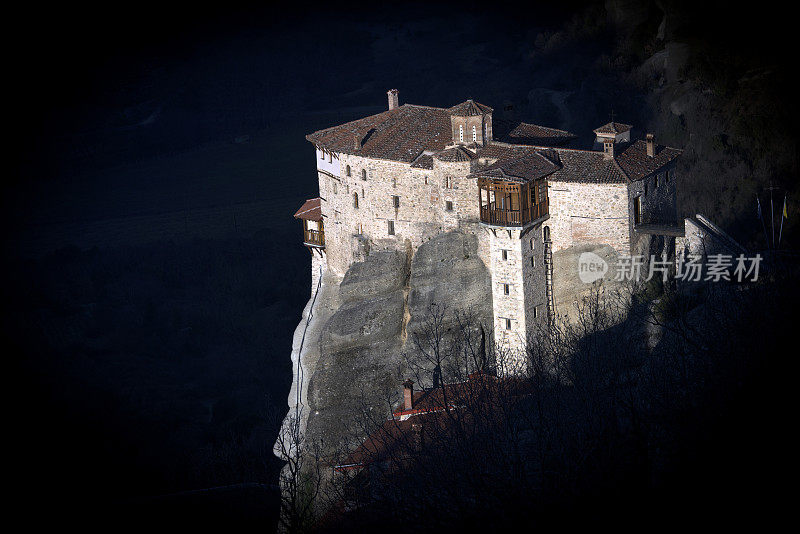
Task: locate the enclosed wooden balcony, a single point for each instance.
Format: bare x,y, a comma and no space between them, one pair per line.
506,203
310,213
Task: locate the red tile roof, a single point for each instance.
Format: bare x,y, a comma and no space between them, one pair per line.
400,134
469,108
456,153
613,128
416,134
530,134
637,164
310,210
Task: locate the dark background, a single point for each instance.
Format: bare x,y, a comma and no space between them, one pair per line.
153,272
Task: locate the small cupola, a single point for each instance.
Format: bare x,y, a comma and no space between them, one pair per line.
613,132
471,123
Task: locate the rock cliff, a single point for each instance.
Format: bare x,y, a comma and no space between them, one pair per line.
359,341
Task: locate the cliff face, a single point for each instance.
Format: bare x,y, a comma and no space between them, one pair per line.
360,341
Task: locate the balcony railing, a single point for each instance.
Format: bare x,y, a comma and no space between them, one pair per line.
505,203
314,237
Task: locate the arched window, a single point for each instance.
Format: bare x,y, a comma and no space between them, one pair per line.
348,170
547,233
474,135
461,133
355,200
363,174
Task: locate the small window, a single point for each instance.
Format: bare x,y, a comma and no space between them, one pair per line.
448,182
348,170
532,242
533,261
334,188
390,227
461,133
394,181
448,205
426,180
504,254
535,312
363,174
667,176
355,200
396,201
474,135
645,189
508,324
506,289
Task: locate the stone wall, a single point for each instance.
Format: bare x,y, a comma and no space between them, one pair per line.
420,212
584,213
659,204
517,266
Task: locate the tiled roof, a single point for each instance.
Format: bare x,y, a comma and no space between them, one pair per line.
456,153
433,411
585,166
469,108
516,163
531,134
425,161
310,210
613,128
400,134
637,164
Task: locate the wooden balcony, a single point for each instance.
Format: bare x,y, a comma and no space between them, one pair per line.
310,213
315,238
512,204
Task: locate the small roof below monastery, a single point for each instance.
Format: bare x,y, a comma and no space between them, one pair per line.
469,108
612,128
311,210
454,154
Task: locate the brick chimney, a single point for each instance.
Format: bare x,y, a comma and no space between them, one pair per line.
408,395
394,99
651,145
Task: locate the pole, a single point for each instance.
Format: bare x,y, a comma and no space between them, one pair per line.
780,233
772,217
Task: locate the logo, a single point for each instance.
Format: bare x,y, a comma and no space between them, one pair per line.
591,267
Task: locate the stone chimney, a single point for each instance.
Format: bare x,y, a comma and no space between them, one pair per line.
608,147
356,141
651,145
394,99
408,395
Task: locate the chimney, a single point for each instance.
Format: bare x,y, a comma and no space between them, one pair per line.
651,145
408,395
356,141
394,99
608,147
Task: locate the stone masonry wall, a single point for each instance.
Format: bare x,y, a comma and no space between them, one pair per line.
352,232
582,213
